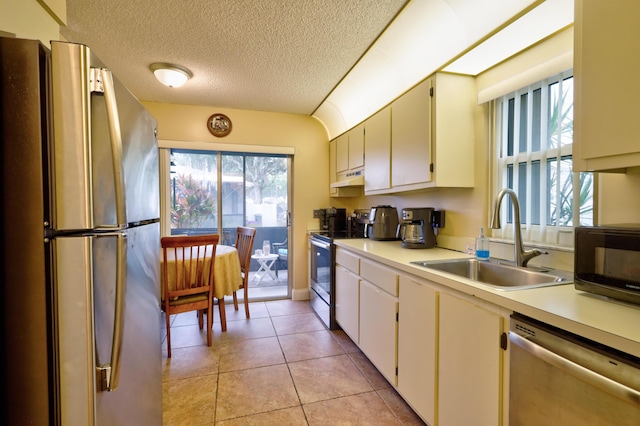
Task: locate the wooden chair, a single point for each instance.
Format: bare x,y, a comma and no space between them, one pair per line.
187,278
244,245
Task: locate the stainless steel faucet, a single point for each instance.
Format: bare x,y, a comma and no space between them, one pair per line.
521,257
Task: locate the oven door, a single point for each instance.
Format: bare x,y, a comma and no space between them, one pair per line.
321,280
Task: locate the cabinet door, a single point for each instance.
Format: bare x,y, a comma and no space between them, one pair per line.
469,359
342,153
356,147
417,346
333,174
377,151
411,136
347,306
378,329
606,105
453,131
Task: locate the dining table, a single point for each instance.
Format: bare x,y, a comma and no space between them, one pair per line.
227,276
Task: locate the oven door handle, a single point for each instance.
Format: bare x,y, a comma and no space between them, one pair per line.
320,244
601,382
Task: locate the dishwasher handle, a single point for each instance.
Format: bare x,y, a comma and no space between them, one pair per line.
601,382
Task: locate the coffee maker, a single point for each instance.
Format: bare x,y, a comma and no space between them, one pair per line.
332,219
357,223
416,228
382,224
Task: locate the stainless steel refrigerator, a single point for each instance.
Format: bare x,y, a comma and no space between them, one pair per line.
81,329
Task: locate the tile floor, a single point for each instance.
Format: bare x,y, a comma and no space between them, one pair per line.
282,367
269,289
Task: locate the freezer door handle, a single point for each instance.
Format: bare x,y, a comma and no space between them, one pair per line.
109,374
102,82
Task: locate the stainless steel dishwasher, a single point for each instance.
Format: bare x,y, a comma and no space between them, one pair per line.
559,378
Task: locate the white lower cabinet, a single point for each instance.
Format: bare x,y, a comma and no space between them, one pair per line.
378,328
367,308
469,363
347,302
417,340
439,348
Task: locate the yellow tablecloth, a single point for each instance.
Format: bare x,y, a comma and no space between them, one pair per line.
226,271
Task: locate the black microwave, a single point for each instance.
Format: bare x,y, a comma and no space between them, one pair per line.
607,261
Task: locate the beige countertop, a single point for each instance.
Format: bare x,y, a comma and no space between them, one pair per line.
610,322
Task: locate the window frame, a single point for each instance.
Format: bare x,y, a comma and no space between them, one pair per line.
166,145
542,234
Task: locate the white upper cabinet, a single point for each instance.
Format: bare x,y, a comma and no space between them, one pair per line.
333,173
346,162
342,153
356,147
411,136
350,151
606,125
377,152
431,139
453,140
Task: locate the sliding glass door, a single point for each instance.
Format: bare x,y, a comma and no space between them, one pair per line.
194,205
215,192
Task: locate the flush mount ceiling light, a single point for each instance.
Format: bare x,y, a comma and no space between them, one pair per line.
169,74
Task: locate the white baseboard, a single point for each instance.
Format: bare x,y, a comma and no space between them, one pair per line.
300,294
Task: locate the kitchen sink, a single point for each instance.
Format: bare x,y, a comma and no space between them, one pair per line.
498,275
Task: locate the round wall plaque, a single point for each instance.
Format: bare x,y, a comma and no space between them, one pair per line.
219,125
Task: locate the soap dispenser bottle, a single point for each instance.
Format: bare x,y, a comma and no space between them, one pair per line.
482,246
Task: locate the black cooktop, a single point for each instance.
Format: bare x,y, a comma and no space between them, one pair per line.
329,236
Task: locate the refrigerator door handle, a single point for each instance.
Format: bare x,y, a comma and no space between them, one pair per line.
102,82
109,374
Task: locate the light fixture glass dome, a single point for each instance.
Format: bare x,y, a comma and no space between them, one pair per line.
170,75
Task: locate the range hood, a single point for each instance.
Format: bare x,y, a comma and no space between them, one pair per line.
351,179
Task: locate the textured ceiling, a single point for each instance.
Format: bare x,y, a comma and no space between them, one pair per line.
266,55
